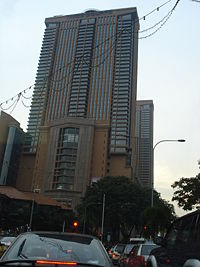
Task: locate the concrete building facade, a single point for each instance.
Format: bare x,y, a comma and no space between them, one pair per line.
11,141
82,117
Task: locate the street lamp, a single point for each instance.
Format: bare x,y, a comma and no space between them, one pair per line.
161,141
102,217
36,190
85,213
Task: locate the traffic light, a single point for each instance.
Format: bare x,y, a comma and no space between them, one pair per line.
75,224
145,227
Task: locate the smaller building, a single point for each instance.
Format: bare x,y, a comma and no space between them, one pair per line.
144,142
11,141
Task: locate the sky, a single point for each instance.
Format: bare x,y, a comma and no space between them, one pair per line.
168,72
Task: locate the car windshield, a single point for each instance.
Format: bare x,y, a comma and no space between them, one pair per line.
82,249
146,249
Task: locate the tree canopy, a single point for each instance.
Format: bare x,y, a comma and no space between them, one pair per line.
125,202
187,192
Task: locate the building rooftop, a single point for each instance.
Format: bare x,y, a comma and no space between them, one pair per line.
40,199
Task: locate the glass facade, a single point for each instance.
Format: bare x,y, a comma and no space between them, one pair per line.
40,94
100,91
144,141
65,164
89,61
78,103
11,156
123,84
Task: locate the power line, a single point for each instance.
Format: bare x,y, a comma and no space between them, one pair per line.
82,56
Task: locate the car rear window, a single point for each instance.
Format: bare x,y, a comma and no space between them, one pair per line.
146,249
128,248
120,248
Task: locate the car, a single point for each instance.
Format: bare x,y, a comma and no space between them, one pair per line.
137,240
125,255
110,251
117,251
139,254
5,242
181,244
52,248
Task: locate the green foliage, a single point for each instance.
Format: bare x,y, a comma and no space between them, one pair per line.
187,192
157,219
15,214
125,202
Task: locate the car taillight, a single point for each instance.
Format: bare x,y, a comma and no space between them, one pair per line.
49,262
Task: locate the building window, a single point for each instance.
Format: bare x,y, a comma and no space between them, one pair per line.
65,165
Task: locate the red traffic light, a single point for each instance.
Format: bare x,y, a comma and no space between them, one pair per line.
75,224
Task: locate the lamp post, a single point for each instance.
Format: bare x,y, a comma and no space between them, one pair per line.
36,190
85,213
161,141
102,218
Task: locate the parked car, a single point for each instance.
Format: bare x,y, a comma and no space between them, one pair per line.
125,255
181,245
137,240
5,242
51,248
110,251
139,254
117,251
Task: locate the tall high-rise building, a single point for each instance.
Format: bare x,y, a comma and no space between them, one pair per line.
144,142
82,115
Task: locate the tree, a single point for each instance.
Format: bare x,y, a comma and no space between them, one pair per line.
157,219
125,201
187,192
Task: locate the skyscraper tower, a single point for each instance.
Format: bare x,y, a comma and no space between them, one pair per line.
82,115
144,142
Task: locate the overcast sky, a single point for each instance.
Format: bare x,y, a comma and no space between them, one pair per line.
168,71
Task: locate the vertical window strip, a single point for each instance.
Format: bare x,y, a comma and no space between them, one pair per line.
51,85
102,75
69,55
45,81
62,72
65,67
54,80
99,72
108,54
112,40
94,88
74,26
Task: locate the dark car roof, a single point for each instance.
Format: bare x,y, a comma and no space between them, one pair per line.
188,215
59,233
72,236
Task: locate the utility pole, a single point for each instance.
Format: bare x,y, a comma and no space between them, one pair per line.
102,221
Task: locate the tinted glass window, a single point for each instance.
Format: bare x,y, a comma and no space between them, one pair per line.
58,247
128,248
146,249
120,248
185,230
172,234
